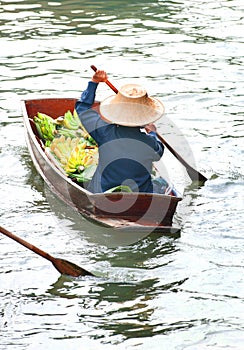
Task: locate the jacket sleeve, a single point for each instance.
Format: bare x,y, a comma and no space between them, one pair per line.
159,147
87,98
89,118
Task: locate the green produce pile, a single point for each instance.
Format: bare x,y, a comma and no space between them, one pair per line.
71,145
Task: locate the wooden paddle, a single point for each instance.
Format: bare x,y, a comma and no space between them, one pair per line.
63,266
193,173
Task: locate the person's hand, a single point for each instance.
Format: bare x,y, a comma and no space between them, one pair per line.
99,76
150,127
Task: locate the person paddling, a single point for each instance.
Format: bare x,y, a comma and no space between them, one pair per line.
125,133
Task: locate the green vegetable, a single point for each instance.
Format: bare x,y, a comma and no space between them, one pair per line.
120,188
86,175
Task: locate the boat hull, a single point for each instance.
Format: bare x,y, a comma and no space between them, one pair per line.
121,211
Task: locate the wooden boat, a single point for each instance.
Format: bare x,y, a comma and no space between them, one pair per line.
120,211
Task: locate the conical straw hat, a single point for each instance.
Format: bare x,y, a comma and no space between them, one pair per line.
131,106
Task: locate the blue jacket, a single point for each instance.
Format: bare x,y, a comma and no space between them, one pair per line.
126,153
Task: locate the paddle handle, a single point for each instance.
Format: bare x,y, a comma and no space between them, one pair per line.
27,245
107,82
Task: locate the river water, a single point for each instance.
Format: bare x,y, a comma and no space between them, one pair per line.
152,292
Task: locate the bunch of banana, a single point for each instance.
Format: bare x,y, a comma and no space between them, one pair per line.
74,154
70,126
68,140
81,158
69,133
45,126
70,120
62,147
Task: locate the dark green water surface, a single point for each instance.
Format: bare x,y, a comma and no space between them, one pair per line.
153,292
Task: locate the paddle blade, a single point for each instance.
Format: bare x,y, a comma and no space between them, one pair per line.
195,175
68,268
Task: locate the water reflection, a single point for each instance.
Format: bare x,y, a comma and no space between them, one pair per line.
121,308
